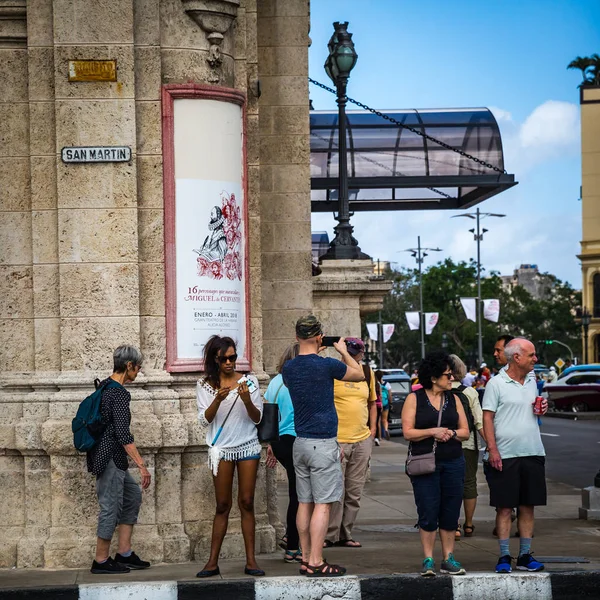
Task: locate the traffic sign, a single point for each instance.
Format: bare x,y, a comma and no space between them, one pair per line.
560,363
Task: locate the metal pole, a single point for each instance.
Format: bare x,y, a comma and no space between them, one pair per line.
479,303
585,343
380,342
421,315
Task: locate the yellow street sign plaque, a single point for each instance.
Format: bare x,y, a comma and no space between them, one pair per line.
92,70
560,363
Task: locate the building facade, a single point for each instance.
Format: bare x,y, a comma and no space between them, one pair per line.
83,260
590,206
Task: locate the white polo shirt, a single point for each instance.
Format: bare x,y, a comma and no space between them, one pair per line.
515,426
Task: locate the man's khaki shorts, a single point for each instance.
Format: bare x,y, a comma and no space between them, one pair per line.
318,470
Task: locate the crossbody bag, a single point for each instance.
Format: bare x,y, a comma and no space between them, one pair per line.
423,464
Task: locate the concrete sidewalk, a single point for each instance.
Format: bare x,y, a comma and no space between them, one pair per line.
390,542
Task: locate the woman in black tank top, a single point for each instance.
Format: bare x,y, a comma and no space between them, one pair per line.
438,495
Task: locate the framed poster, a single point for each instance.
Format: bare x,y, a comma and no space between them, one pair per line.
206,223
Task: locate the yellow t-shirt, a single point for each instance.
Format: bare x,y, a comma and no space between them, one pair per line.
351,403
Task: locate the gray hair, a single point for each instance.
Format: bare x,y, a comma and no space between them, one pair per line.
513,347
459,369
124,354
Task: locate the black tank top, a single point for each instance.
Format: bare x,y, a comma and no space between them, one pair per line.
427,417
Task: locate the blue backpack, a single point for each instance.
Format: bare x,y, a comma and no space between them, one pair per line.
88,426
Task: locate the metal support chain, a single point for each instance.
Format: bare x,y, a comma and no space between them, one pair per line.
412,129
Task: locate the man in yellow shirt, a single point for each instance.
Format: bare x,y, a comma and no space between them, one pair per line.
357,427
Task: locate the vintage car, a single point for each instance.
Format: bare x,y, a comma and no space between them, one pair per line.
579,391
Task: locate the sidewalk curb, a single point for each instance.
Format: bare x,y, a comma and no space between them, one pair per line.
516,586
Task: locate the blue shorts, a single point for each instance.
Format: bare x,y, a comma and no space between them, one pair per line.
253,457
439,495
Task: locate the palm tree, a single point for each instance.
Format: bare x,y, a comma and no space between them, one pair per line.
595,67
588,66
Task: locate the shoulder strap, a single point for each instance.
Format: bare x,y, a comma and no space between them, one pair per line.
368,374
278,390
460,388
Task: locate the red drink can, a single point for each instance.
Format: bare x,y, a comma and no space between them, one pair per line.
537,405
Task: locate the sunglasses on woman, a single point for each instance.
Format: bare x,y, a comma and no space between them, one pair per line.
224,359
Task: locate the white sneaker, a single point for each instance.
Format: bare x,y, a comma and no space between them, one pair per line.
377,442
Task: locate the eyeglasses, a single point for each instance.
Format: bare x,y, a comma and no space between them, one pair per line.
224,359
448,375
355,346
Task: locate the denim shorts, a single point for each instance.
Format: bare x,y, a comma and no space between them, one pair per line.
439,495
318,470
253,457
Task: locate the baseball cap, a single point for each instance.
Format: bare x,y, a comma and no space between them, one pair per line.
355,346
308,327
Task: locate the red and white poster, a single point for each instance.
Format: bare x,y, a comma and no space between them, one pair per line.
206,260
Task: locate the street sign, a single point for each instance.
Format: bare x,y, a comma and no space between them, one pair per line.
560,363
92,70
86,154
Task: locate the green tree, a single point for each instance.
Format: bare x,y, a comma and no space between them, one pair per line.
589,67
443,286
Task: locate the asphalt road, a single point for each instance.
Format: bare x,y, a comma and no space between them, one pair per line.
572,450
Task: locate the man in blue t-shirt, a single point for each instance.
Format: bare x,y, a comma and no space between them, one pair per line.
309,379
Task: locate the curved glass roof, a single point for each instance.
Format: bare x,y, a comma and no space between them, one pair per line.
392,168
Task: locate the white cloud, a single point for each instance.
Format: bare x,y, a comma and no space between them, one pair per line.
551,130
554,124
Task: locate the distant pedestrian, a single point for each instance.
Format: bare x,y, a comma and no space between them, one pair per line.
470,447
499,349
119,496
438,495
317,454
282,451
355,407
515,469
230,406
386,400
552,376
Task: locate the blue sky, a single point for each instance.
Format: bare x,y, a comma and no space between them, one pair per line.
507,55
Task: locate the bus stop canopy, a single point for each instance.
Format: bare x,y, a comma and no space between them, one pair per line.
392,168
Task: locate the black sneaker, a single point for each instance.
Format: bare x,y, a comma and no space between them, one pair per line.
108,567
133,561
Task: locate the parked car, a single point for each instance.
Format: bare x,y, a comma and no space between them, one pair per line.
576,368
579,391
400,384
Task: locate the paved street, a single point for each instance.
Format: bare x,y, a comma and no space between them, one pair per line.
572,448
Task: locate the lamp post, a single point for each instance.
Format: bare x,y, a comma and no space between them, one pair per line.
419,254
341,60
478,237
586,318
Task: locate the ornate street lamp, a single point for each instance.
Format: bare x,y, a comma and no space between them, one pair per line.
341,60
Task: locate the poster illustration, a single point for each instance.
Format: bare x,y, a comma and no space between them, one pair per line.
210,265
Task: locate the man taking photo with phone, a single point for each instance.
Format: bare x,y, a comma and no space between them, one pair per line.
317,454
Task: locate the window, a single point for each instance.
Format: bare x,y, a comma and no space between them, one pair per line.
596,296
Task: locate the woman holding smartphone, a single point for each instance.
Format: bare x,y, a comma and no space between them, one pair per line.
230,406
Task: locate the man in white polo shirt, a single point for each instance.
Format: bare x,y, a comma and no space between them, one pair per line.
515,470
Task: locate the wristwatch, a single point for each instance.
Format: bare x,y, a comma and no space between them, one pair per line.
454,434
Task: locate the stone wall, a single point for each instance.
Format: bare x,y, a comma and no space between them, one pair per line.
82,268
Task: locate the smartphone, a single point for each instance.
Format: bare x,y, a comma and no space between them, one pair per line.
248,382
329,340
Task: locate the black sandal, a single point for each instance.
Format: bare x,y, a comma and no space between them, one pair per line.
348,544
325,570
468,530
328,544
303,567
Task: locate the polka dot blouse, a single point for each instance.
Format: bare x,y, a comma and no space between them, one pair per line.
115,411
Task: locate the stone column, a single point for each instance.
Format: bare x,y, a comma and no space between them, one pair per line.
16,271
284,171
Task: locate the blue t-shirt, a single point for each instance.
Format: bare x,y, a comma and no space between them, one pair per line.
277,393
309,378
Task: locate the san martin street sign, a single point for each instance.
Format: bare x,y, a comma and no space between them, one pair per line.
87,154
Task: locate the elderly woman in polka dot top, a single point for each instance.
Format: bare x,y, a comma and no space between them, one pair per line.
230,407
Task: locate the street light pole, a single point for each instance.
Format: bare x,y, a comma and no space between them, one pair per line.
341,60
478,237
586,317
419,254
